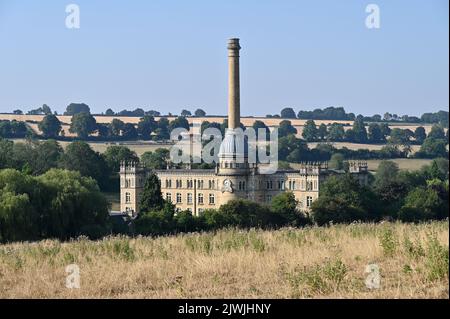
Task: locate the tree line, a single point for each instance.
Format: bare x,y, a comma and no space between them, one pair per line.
392,194
40,201
339,114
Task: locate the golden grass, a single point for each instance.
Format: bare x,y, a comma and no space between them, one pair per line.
409,164
357,146
288,263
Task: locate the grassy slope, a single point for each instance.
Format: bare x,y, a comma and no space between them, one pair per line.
288,263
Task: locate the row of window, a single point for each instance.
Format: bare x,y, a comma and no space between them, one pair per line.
189,198
199,184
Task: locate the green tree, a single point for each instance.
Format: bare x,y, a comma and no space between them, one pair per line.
261,125
46,109
322,132
420,134
129,131
200,113
343,199
146,126
179,122
157,222
162,131
387,171
337,161
286,129
75,108
109,112
284,206
116,127
77,207
432,148
80,157
424,204
288,113
45,156
6,153
151,197
385,130
402,138
114,155
157,159
19,206
336,132
437,132
246,214
310,132
186,113
83,124
359,131
375,133
50,126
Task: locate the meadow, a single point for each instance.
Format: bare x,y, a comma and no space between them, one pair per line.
311,262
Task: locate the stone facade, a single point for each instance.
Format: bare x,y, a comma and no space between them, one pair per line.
197,189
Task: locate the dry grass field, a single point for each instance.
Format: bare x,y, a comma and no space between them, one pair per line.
356,146
311,262
409,164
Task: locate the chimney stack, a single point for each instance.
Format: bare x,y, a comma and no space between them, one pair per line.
234,117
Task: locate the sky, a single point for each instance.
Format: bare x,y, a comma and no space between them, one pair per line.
170,55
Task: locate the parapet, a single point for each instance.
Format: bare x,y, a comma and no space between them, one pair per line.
313,168
130,167
358,166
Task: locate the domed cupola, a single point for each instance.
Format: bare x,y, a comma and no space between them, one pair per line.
234,146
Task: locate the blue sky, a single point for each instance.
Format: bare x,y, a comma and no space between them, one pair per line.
169,55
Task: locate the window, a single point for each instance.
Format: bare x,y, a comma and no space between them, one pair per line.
211,199
169,197
210,184
200,211
189,198
293,185
127,198
282,185
178,198
200,184
269,198
200,198
308,201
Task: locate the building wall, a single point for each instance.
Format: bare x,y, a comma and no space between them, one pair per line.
198,190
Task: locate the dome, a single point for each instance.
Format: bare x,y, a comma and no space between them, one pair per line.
234,145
